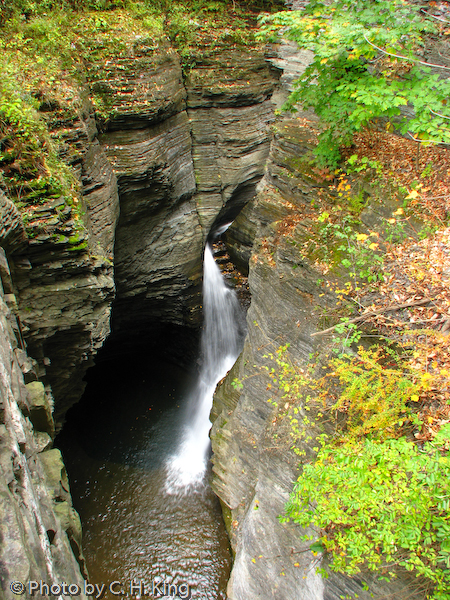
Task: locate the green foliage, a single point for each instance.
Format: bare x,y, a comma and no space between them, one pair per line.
375,392
294,391
376,499
342,245
357,165
28,8
354,79
10,9
28,155
237,384
380,505
345,335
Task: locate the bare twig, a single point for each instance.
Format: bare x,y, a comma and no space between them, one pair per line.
427,141
373,313
434,16
416,60
439,115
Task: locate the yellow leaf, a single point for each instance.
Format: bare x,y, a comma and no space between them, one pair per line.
374,246
361,237
415,398
399,211
323,61
412,194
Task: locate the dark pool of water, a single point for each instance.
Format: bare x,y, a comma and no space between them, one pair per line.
115,444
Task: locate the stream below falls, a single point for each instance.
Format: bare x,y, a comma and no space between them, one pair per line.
136,449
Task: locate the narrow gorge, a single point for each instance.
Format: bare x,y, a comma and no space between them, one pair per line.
177,156
166,150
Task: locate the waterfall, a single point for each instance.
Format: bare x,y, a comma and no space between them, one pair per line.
221,343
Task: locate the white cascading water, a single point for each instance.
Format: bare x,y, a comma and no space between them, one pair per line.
221,343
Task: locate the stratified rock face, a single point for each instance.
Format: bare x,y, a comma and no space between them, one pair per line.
158,239
40,532
12,230
65,302
63,277
140,90
179,157
230,109
253,465
181,168
101,199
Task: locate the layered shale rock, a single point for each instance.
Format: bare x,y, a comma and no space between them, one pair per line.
179,156
181,168
230,108
12,230
62,273
253,464
39,530
158,239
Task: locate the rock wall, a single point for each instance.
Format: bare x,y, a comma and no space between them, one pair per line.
174,156
189,155
253,465
229,107
40,532
62,272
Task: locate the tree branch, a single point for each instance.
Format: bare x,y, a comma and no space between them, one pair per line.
434,16
416,60
438,115
373,313
427,141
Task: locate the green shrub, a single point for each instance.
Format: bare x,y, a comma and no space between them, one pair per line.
380,505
